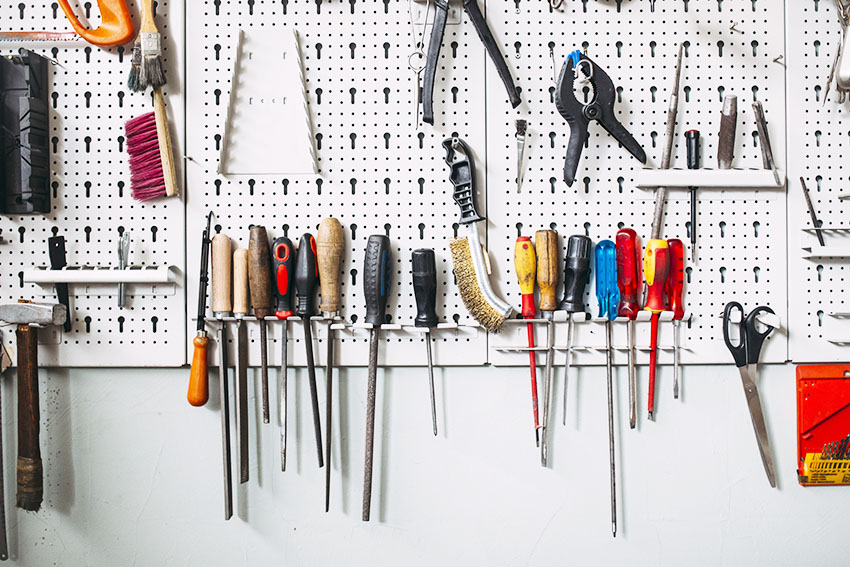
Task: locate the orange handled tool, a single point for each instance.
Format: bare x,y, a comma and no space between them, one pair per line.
656,266
116,25
675,290
199,387
629,280
525,264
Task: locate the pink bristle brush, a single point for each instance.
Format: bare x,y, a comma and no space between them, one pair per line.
152,172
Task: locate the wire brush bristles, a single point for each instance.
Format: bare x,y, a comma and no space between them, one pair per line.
470,291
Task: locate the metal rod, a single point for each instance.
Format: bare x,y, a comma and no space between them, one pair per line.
632,382
676,323
225,420
814,216
242,398
547,390
314,393
329,371
568,353
611,428
431,381
370,424
284,371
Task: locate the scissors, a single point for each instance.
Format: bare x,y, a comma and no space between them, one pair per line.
746,355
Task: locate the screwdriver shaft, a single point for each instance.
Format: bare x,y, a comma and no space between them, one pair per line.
632,382
568,354
547,389
431,381
314,392
284,371
676,323
653,360
370,424
532,366
329,371
611,427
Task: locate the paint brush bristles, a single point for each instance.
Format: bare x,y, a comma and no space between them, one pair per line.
151,73
133,81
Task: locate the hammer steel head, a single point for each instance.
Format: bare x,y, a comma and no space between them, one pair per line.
33,313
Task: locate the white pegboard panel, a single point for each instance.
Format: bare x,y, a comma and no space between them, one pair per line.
731,48
91,203
378,173
817,142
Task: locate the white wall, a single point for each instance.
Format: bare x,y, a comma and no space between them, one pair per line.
133,477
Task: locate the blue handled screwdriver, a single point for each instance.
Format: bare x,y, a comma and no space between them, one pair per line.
608,296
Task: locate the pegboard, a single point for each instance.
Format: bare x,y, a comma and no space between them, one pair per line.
380,174
818,126
91,204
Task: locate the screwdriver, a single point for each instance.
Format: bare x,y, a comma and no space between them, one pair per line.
283,258
222,307
260,283
525,265
240,311
376,287
629,282
576,273
656,266
329,247
546,245
608,296
675,290
692,137
425,290
306,278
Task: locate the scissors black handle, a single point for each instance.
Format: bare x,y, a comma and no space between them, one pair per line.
739,351
754,339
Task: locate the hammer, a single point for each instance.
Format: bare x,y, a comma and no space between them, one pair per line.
28,317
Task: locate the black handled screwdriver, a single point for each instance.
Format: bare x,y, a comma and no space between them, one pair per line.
283,263
425,291
376,288
692,138
576,273
306,279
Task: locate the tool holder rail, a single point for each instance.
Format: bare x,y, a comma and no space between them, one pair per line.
837,242
710,178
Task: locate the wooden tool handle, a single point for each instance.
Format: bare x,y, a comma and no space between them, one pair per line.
546,244
329,248
199,386
260,272
221,257
148,23
30,474
163,135
240,281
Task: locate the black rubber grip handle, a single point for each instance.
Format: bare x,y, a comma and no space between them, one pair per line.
283,262
462,177
376,278
576,273
58,260
306,275
425,287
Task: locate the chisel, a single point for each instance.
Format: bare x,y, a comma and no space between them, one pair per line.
283,258
306,278
424,267
546,246
377,270
260,284
329,248
240,310
222,307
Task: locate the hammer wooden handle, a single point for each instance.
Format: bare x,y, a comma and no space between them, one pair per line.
329,247
546,245
30,474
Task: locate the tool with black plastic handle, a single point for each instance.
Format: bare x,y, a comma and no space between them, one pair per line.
329,247
546,246
675,291
576,274
692,139
525,264
56,252
425,291
608,296
306,279
629,282
222,307
283,268
656,267
199,387
377,271
260,284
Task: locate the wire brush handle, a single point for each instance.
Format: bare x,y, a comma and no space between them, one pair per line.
459,159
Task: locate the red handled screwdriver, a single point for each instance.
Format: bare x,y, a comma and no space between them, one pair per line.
675,291
629,281
283,262
656,266
525,264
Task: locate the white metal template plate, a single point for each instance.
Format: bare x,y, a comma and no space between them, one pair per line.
91,203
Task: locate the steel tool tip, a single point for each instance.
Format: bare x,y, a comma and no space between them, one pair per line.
649,416
730,105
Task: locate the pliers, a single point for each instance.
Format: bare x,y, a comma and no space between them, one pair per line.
600,108
436,42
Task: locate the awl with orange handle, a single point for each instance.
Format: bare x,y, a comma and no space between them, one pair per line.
675,291
330,241
656,267
525,264
260,285
222,307
283,259
199,387
629,281
546,245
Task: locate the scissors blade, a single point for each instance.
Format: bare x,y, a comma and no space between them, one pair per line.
748,374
